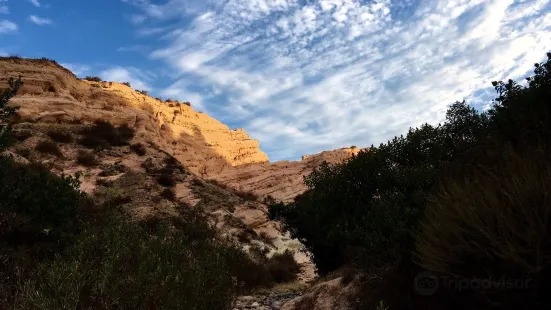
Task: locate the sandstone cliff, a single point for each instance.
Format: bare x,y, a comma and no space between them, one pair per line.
53,99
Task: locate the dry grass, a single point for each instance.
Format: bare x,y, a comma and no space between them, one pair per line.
494,223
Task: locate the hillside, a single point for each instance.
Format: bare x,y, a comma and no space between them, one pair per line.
175,155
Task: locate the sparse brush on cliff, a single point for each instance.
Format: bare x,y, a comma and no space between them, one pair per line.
60,136
103,135
6,112
49,147
93,79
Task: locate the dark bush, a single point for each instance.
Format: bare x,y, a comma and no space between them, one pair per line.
168,194
126,83
187,103
103,134
166,180
49,147
6,112
138,148
493,224
93,79
87,159
283,267
60,136
143,92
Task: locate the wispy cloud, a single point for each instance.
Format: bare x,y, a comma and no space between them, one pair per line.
6,26
308,76
4,9
35,3
39,20
137,78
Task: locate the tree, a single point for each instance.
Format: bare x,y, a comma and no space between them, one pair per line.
6,111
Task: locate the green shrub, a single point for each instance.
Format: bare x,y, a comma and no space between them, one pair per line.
103,134
87,159
48,147
6,112
44,206
126,83
365,211
183,267
93,79
60,136
143,92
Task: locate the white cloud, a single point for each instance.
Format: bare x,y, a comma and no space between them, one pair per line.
39,20
77,69
35,3
6,26
307,76
4,9
136,77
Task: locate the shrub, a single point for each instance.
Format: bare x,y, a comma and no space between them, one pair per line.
166,180
86,158
6,111
363,212
103,134
138,148
168,194
93,79
187,103
60,136
283,267
143,92
49,147
126,83
169,269
494,223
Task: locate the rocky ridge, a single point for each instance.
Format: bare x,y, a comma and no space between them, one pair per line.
210,163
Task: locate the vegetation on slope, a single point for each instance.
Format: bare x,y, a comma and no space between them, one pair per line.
63,249
468,198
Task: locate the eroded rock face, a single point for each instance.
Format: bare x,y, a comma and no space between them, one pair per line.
54,98
283,180
52,94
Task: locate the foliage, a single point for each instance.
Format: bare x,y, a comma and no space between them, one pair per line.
87,159
6,112
143,92
103,135
126,83
175,264
93,79
49,147
60,136
366,211
493,223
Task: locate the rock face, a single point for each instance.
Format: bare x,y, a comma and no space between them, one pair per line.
283,180
52,94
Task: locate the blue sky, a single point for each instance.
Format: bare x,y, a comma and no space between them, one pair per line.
302,76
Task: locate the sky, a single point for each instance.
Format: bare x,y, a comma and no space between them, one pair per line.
301,76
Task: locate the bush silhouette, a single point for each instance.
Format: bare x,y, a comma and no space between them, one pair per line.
103,135
60,136
48,147
93,79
